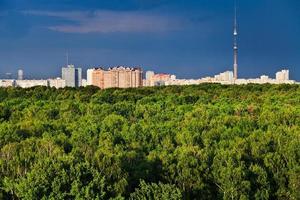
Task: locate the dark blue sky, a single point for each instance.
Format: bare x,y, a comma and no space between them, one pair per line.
190,38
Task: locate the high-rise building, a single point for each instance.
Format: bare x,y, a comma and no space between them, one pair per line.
149,74
89,77
225,77
20,74
283,75
95,77
116,77
72,76
98,78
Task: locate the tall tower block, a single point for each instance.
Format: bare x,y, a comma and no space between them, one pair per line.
20,74
235,44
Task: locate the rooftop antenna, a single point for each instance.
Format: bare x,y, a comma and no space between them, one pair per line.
235,43
67,57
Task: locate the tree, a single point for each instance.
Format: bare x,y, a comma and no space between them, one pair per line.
155,191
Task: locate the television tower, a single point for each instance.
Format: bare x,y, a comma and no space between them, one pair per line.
67,58
235,44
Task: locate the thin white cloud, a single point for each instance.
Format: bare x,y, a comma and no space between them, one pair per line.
111,21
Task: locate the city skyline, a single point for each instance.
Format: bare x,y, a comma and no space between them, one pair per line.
194,36
132,77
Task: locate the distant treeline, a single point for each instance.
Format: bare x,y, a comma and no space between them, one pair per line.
181,142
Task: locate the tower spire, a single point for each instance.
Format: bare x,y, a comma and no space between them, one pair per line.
235,43
67,58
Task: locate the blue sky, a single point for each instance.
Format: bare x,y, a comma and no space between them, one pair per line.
189,38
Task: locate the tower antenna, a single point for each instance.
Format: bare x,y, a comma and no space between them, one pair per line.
235,43
67,57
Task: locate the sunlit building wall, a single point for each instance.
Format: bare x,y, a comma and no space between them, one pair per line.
116,77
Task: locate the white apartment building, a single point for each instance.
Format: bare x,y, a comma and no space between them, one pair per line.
89,76
283,75
226,77
7,83
30,83
57,83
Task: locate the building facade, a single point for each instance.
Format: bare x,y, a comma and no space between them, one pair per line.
153,79
20,74
7,83
57,83
116,77
30,83
95,77
89,77
283,76
72,76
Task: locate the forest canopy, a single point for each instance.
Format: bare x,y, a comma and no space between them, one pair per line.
208,141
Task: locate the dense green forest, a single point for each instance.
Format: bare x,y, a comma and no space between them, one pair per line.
181,142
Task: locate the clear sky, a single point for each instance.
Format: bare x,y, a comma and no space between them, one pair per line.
189,38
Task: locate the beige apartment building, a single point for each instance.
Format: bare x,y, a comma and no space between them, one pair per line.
153,79
116,77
